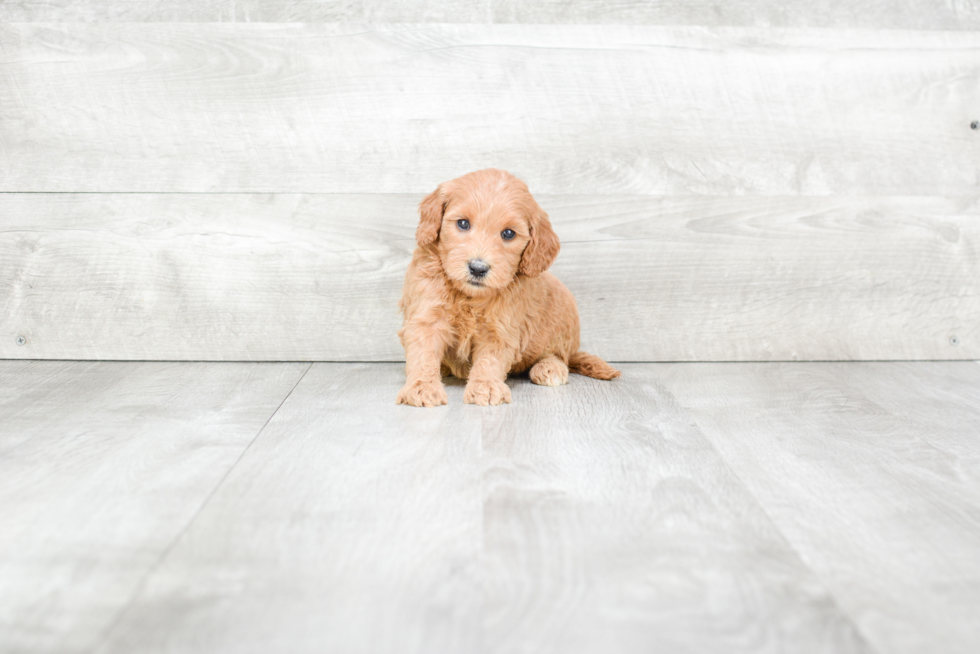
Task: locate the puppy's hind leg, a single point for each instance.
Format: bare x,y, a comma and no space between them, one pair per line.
549,371
592,366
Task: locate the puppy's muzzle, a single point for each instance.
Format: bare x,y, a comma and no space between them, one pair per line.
478,268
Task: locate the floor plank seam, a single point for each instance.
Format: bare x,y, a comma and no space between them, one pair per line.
97,646
868,647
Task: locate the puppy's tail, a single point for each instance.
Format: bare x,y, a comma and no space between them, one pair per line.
591,366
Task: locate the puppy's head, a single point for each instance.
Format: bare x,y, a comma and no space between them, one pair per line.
486,229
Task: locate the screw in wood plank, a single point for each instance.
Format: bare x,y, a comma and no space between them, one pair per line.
21,340
953,340
975,124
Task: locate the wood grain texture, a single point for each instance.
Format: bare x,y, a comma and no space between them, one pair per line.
350,525
399,108
889,14
101,467
685,508
877,492
611,525
317,277
896,14
590,514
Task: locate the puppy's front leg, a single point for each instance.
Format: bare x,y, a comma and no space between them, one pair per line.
424,348
486,382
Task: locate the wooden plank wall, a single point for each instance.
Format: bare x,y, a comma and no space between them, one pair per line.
877,14
731,181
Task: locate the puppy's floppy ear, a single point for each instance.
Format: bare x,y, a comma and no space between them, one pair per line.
541,251
430,212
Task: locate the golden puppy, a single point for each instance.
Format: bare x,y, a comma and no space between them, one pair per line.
477,300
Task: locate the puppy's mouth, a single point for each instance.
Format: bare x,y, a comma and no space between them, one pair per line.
475,284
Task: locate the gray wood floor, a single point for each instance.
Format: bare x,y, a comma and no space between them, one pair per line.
289,507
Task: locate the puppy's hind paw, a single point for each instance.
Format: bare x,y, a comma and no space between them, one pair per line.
488,392
549,372
422,393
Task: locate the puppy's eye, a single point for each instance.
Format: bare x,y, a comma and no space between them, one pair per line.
508,234
463,224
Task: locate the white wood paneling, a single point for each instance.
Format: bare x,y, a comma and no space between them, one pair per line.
399,108
317,277
903,14
876,14
102,465
353,524
878,496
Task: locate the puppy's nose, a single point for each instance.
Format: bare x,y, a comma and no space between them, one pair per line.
478,267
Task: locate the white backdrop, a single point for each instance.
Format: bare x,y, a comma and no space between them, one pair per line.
730,181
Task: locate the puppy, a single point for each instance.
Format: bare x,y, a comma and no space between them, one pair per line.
478,302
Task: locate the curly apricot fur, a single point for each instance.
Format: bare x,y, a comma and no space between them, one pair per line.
517,317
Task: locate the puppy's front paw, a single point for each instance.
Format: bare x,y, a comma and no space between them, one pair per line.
487,392
422,393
